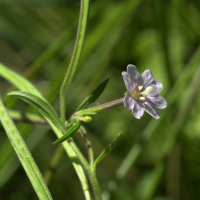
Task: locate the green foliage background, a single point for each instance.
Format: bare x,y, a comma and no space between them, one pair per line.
37,39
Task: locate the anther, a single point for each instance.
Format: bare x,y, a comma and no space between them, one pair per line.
140,87
148,90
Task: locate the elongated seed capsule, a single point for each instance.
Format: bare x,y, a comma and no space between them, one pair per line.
69,133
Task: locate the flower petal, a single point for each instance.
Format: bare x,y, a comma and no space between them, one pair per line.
159,101
128,102
147,77
157,87
128,82
137,111
134,75
150,108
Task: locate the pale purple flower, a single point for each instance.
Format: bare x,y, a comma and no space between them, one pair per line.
142,93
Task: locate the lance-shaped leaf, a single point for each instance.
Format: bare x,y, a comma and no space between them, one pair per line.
24,155
41,105
69,133
94,95
23,84
108,149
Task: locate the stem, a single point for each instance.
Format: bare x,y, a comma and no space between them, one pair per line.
88,145
76,54
95,184
90,172
101,107
76,163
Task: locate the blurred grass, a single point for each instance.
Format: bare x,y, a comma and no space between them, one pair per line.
163,36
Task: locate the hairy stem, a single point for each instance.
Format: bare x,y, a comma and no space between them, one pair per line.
101,107
88,145
84,9
90,172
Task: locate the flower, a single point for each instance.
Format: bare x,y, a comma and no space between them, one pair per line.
142,93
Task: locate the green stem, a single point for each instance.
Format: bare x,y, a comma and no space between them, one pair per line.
76,163
84,9
95,184
78,167
90,172
101,108
88,145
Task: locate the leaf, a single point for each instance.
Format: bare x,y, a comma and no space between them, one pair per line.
23,84
24,155
69,133
108,149
41,105
94,95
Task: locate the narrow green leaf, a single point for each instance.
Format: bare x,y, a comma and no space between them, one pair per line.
69,133
24,155
43,106
108,149
94,95
23,84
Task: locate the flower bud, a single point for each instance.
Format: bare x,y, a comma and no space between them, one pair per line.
87,119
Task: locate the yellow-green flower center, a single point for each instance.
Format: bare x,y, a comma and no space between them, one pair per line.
140,96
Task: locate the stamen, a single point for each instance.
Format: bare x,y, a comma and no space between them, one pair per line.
148,90
140,87
142,98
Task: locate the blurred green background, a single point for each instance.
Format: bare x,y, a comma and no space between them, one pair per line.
37,39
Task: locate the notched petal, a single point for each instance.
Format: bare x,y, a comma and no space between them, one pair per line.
147,77
127,80
137,111
125,75
157,87
129,102
150,108
133,73
159,101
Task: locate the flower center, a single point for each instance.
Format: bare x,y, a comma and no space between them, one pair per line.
138,95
